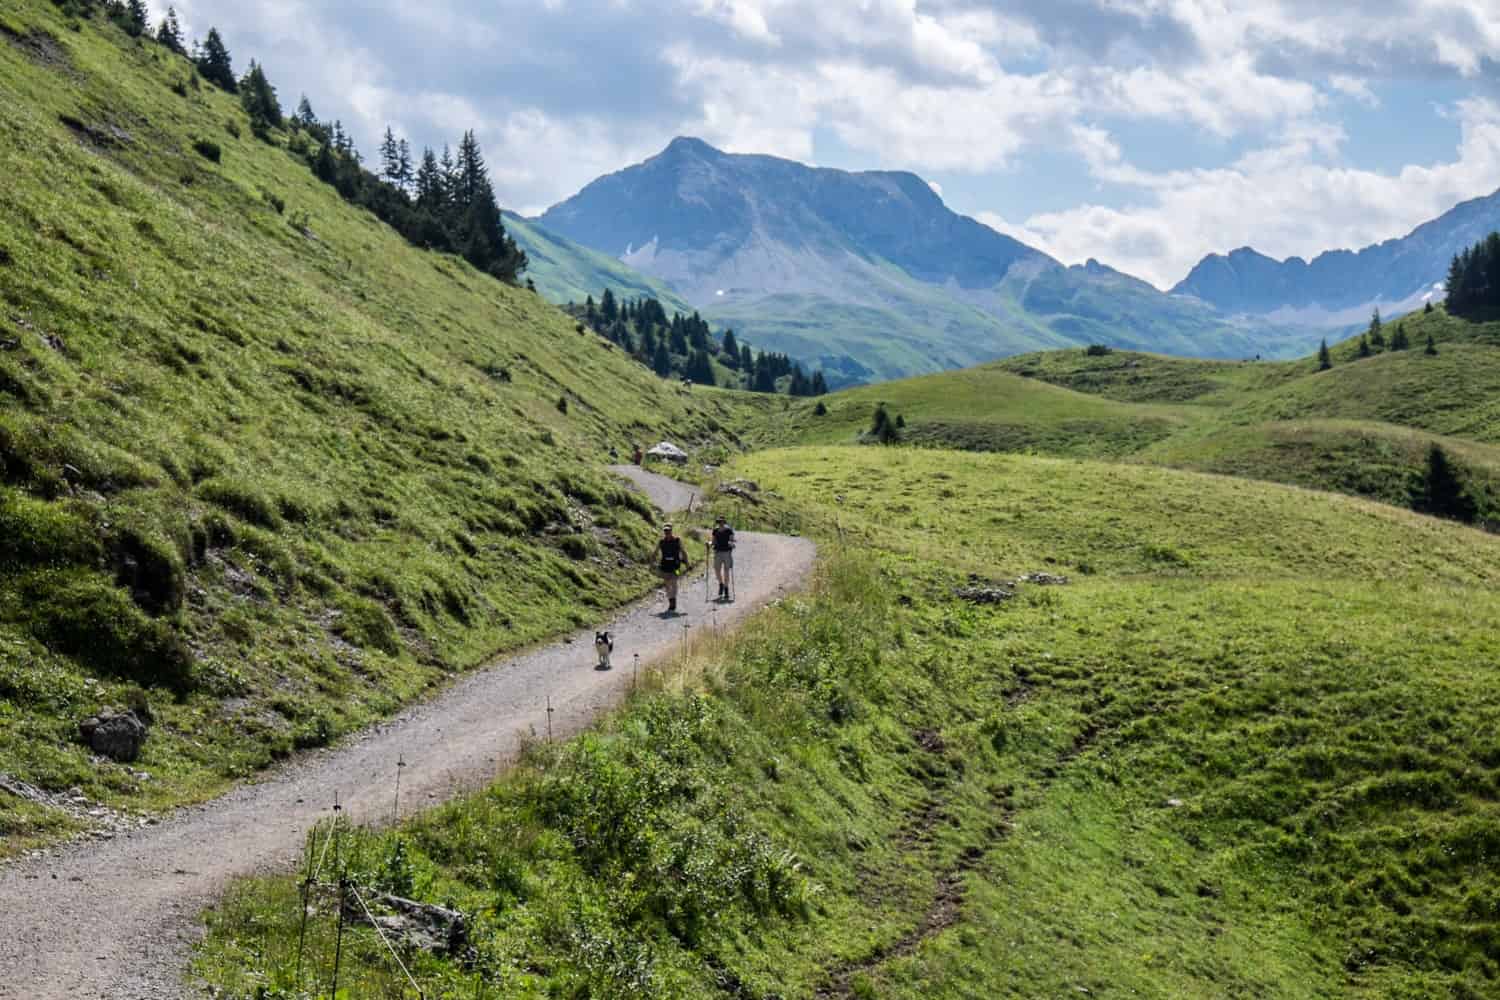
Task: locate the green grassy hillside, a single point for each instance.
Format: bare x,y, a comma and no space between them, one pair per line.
1364,427
263,465
1247,750
564,271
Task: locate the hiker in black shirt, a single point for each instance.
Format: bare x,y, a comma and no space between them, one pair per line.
672,563
723,545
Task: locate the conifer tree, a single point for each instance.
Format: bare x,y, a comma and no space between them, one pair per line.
731,349
819,383
404,176
430,189
1325,360
390,157
1399,340
1442,492
1376,333
170,33
214,63
608,307
305,116
661,361
1364,346
258,98
1431,350
136,18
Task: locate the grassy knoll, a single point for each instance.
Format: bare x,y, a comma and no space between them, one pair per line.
1247,751
262,464
1364,427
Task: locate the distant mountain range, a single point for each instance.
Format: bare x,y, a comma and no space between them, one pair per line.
867,275
1343,286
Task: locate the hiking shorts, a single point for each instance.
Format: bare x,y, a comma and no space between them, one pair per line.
723,560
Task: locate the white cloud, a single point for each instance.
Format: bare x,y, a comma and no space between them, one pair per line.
1286,199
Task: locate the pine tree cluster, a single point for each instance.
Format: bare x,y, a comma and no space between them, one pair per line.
685,347
1474,278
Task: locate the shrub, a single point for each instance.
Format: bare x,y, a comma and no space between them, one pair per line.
274,201
35,533
562,405
232,127
1098,350
208,149
820,410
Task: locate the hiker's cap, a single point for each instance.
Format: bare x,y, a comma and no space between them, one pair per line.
666,527
720,519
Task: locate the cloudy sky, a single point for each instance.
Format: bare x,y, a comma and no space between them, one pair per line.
1145,133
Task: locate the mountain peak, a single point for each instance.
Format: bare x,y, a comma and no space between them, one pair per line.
687,145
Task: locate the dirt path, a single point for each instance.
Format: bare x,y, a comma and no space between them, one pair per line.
116,919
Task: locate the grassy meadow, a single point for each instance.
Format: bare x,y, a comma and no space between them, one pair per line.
263,466
1246,750
1364,427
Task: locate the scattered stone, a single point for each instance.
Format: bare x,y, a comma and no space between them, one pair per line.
666,451
1174,803
733,490
118,736
984,594
434,929
1044,579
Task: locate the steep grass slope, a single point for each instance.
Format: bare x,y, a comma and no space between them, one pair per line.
265,467
1248,750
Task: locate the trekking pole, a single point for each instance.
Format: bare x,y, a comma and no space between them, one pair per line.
708,563
396,806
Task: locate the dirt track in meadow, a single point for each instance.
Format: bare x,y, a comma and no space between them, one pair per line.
116,919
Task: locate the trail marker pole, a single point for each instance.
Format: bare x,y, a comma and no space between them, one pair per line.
306,888
549,718
635,670
338,941
396,806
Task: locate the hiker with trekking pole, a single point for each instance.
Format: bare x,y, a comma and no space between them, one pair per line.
722,544
672,562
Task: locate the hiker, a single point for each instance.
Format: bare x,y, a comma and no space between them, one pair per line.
640,456
723,546
673,562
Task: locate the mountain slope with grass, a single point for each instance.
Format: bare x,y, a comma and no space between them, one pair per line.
1366,426
1044,728
566,272
266,471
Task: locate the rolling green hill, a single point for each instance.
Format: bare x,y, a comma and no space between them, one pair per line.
262,464
1247,749
1364,427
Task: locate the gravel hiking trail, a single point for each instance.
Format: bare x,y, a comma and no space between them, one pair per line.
117,918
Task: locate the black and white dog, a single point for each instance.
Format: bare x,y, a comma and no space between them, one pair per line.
604,644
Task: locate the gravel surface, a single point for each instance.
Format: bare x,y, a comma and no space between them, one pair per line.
117,918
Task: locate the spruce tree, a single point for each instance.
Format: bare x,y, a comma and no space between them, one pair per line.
1364,346
404,174
883,429
1399,340
170,33
390,157
258,98
1442,492
661,361
819,383
305,116
137,21
214,63
1325,360
730,349
430,183
608,307
1376,333
1431,350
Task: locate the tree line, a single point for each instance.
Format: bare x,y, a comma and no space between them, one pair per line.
1474,278
438,202
686,347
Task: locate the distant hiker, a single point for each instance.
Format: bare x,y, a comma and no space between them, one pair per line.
673,562
640,456
723,546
